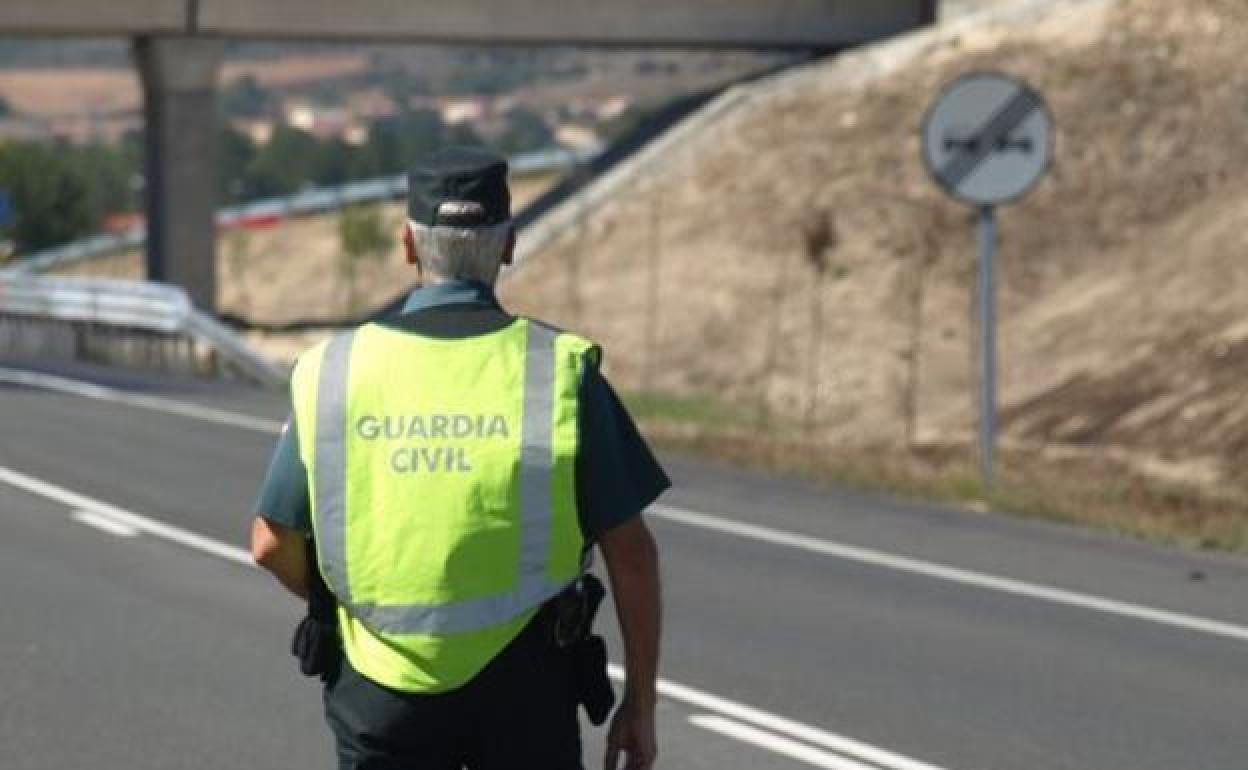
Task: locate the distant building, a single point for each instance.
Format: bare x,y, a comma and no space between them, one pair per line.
18,129
259,130
576,137
356,134
322,122
371,104
457,111
91,127
614,107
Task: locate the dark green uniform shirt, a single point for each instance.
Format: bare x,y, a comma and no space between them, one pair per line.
617,476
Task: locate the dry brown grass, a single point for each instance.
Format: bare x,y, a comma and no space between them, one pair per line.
63,91
1128,255
1124,332
1092,489
71,91
294,272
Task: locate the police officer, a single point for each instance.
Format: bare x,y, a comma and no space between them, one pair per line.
454,466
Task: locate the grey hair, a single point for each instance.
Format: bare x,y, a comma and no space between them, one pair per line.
461,253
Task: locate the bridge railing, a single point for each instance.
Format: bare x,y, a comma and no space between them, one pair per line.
127,322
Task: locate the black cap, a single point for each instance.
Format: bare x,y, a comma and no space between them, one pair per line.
470,176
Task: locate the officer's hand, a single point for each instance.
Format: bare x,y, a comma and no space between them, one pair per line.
631,733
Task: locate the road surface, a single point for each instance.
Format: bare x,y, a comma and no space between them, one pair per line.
806,626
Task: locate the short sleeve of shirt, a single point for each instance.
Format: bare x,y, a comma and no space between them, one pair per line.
283,496
618,476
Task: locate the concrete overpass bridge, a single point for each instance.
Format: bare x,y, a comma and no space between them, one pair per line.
179,46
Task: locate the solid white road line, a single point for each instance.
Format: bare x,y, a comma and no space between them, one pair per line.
140,523
775,723
776,744
104,523
706,521
97,512
950,574
153,403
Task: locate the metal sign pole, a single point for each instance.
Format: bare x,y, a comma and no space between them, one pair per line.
988,342
988,140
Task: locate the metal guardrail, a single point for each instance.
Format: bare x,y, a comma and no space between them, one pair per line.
131,305
86,309
77,251
228,344
94,300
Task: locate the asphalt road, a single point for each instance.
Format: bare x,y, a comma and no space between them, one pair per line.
806,627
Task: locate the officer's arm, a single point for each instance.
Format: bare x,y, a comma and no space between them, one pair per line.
282,551
633,563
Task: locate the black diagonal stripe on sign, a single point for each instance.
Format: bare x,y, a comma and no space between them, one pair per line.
988,138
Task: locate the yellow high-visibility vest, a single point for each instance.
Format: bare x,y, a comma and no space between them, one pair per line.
443,488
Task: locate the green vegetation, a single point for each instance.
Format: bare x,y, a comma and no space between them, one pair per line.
679,410
290,160
363,234
493,71
400,84
623,124
61,192
246,98
526,131
293,159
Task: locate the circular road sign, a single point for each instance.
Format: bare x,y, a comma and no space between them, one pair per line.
988,139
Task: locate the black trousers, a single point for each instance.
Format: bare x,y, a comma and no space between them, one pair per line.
517,714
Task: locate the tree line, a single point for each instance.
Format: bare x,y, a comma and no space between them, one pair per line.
58,192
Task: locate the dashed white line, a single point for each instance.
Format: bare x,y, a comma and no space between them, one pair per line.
783,725
105,516
951,574
776,744
143,524
706,521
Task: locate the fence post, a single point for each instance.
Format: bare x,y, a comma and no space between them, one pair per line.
653,256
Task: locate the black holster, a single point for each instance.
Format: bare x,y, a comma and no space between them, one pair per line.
593,686
572,631
315,642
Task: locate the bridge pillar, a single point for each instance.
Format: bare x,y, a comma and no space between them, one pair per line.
179,76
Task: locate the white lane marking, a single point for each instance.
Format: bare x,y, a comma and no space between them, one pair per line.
776,744
952,574
778,724
105,523
705,521
83,505
140,523
152,403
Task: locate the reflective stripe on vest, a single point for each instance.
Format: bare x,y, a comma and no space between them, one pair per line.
535,484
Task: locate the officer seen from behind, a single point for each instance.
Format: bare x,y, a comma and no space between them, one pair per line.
449,470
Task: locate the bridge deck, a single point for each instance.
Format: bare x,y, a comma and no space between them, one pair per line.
778,23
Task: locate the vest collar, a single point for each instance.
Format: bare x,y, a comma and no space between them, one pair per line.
449,293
